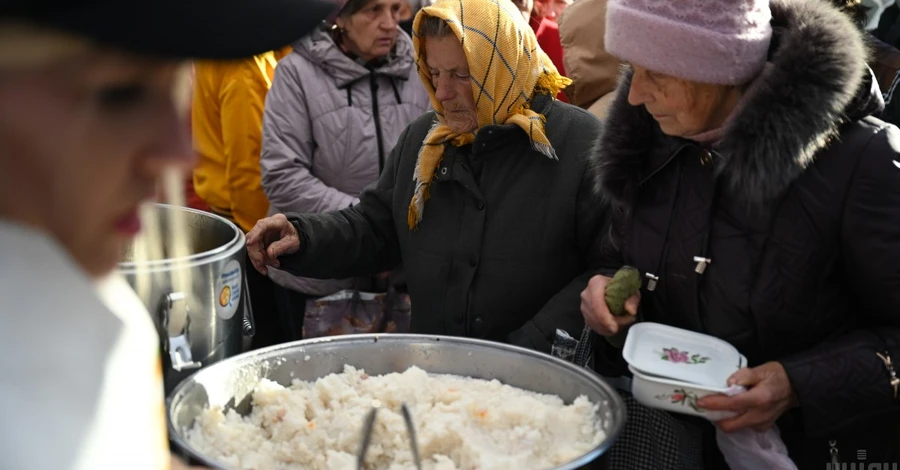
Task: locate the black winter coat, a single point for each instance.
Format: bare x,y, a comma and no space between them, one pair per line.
798,207
508,239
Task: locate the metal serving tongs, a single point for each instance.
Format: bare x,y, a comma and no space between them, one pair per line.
369,426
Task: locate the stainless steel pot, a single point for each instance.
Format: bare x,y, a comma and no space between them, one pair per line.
230,383
196,291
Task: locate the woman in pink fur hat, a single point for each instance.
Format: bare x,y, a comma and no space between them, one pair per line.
752,187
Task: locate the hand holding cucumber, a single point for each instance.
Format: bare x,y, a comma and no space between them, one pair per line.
610,305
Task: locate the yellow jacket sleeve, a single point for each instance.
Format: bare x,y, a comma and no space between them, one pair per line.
243,96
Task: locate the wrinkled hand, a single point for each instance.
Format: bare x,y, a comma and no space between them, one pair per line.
178,464
596,313
769,395
270,238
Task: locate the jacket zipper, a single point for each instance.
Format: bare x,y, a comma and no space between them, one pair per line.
889,365
373,85
664,164
653,277
703,260
895,382
833,450
467,320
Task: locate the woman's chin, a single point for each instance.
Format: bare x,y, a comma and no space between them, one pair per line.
670,129
461,126
383,50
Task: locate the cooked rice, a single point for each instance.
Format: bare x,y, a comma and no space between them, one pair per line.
461,423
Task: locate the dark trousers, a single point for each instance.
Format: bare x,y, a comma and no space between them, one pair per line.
290,306
262,299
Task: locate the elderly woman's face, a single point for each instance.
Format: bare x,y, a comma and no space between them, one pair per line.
681,108
371,32
449,72
550,9
82,145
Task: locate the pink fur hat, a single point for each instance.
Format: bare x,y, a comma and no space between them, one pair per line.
709,41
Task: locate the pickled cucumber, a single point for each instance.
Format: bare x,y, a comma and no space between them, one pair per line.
624,284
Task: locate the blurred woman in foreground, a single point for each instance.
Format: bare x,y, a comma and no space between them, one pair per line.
88,125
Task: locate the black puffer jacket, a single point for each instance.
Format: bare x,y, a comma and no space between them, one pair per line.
798,208
508,241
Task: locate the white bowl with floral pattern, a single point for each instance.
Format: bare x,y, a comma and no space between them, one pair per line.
674,396
673,368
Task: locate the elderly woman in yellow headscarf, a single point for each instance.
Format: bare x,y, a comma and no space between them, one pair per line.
486,200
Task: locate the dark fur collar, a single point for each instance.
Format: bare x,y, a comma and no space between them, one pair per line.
817,65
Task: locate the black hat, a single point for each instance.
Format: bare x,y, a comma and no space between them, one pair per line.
209,29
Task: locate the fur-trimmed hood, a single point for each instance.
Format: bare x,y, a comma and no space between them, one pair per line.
816,79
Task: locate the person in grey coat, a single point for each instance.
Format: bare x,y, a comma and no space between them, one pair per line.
337,104
486,201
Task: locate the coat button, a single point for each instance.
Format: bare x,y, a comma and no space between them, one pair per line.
473,261
478,321
480,205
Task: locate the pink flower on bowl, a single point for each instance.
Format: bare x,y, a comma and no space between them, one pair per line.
683,357
682,397
676,355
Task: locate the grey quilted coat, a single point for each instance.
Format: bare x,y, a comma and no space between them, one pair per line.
329,124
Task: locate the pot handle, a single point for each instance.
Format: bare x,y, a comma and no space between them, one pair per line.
179,346
249,321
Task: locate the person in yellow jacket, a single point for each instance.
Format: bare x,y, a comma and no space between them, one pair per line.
226,122
229,97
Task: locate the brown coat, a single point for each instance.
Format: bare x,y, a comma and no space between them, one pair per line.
885,62
593,71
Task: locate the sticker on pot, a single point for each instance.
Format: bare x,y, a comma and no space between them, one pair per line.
228,290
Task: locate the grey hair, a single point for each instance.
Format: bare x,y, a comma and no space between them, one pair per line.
352,6
434,27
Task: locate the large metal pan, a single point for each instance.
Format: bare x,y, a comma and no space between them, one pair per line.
230,383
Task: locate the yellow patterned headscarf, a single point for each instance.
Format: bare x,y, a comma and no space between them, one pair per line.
507,67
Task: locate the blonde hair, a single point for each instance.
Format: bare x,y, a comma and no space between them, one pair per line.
24,45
